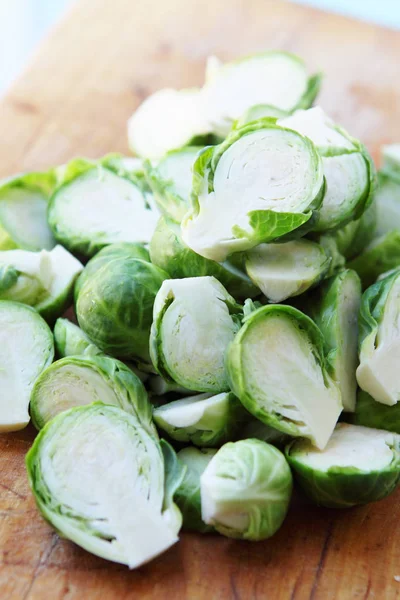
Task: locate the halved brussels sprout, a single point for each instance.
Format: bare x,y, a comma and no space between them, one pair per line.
354,237
275,78
23,212
278,370
194,320
114,306
334,307
169,252
330,245
167,120
359,465
348,169
79,380
160,387
246,490
387,198
380,340
285,270
204,420
26,348
187,496
391,160
259,111
70,340
170,180
371,413
381,255
93,207
99,478
43,279
239,203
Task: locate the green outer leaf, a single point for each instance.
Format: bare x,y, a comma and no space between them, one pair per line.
175,472
371,413
313,87
382,255
8,277
70,340
357,235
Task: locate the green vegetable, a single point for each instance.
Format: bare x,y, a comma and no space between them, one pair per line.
238,203
23,208
70,340
246,490
204,420
277,368
334,306
114,306
391,160
26,348
379,341
259,111
93,207
387,199
359,465
383,254
347,166
187,496
371,413
99,479
285,270
43,279
169,252
194,320
354,237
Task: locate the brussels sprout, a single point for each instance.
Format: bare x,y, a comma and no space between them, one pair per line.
278,370
123,250
275,78
259,111
254,428
70,340
334,307
348,169
194,320
167,120
95,207
114,306
26,348
43,279
169,252
387,199
204,420
337,260
354,237
170,180
187,496
238,203
371,413
23,212
359,465
160,387
246,490
380,340
391,160
383,254
79,380
99,478
285,270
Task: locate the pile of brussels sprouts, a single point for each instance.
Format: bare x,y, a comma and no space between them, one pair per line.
222,339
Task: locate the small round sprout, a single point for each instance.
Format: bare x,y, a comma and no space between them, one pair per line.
70,340
246,490
204,420
194,321
103,482
358,465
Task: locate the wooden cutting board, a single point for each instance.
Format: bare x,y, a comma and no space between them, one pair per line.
74,99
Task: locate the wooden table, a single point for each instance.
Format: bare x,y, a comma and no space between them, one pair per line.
74,99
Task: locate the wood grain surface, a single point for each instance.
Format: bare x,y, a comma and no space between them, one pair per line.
74,99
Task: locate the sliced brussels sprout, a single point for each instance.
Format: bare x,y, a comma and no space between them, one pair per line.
204,420
387,198
359,465
371,413
26,348
167,120
23,212
96,207
187,496
334,307
238,203
70,340
391,160
114,306
278,370
348,169
78,380
170,180
354,237
194,320
381,255
103,482
275,78
246,490
44,280
169,252
331,247
285,270
379,341
259,111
